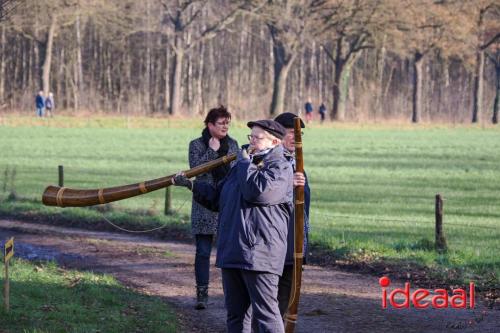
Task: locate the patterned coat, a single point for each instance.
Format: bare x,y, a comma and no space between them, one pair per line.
204,221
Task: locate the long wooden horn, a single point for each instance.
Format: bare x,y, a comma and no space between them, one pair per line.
68,197
298,256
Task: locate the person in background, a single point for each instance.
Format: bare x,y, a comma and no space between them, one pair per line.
39,104
299,179
322,112
213,143
49,104
309,110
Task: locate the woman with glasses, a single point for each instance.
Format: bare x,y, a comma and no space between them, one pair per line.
213,143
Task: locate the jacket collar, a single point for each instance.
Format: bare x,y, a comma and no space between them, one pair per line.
272,154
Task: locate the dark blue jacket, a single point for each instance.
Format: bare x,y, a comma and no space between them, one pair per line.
309,108
291,234
39,102
255,204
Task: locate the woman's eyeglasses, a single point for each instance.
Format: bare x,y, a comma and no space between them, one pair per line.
223,123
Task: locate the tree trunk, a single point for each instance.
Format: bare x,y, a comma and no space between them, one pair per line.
337,71
301,78
48,57
343,96
74,87
175,83
36,55
417,88
166,99
79,63
109,78
157,95
311,73
320,76
381,54
17,63
282,64
478,87
176,77
25,54
494,119
66,82
199,81
2,67
146,91
279,87
338,67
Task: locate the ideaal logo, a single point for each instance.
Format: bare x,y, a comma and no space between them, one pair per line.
439,297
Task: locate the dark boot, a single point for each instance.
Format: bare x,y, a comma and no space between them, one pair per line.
201,297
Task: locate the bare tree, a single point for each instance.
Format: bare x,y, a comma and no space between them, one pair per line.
396,56
348,27
291,26
50,15
424,27
494,56
492,50
487,16
201,20
7,7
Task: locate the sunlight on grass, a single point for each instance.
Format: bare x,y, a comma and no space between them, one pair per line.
373,187
45,297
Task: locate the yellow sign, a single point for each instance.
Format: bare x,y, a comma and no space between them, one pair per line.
9,249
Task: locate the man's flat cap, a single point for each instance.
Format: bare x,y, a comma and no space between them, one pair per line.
287,120
270,126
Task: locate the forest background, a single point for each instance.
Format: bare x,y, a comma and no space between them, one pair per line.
379,60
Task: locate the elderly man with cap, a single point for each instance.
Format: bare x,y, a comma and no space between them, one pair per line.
299,179
254,202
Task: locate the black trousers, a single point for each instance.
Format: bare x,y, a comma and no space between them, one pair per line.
244,289
202,259
285,288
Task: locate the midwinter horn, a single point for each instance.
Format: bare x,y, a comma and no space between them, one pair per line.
298,256
68,197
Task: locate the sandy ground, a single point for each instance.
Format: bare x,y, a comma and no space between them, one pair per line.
331,300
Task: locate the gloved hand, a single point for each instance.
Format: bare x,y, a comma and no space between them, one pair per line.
180,179
243,154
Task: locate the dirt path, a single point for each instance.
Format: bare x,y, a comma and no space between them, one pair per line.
331,300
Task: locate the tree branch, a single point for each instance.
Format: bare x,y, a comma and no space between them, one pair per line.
491,41
212,31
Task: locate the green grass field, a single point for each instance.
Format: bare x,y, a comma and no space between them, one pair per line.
46,298
373,187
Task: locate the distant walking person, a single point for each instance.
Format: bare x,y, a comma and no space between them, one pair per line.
49,104
39,104
322,112
309,110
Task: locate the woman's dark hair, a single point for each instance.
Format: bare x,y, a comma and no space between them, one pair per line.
216,113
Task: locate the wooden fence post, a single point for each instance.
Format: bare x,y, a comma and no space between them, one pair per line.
440,239
168,201
61,175
6,290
